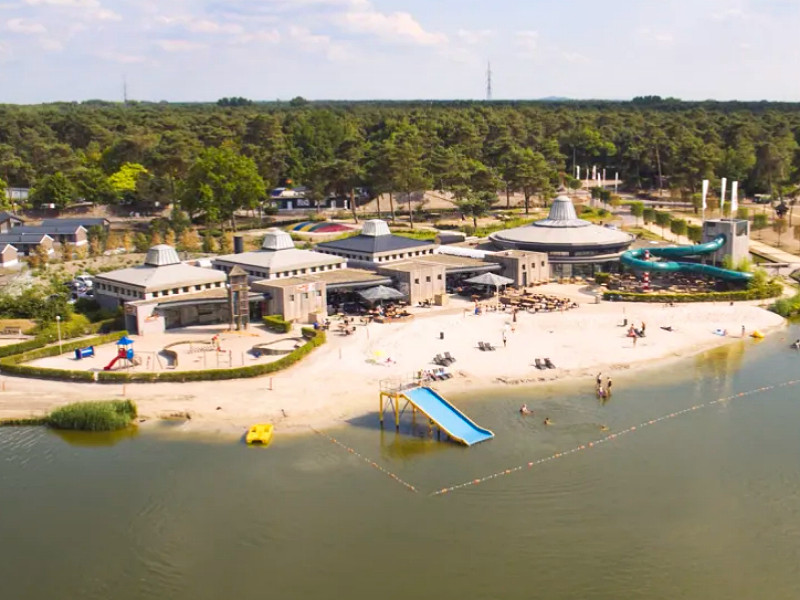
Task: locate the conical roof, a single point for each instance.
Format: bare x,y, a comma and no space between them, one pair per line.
277,239
161,255
562,214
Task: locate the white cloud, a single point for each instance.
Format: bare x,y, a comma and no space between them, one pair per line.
473,37
103,14
527,42
201,25
24,26
729,13
315,42
574,57
126,59
71,3
397,26
271,36
179,45
662,37
51,45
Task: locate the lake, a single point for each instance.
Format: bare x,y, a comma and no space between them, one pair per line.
703,505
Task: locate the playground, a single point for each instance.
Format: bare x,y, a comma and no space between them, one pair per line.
185,349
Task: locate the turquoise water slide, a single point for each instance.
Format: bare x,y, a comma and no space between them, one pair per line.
451,420
635,260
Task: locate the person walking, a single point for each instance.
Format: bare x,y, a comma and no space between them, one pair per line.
743,330
634,338
608,386
505,338
599,380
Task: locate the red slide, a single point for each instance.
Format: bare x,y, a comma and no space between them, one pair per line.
111,364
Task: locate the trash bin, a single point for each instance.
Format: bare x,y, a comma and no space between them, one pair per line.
441,335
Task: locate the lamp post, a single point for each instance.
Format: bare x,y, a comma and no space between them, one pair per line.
58,326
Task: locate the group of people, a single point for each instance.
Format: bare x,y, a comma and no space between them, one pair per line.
524,410
603,391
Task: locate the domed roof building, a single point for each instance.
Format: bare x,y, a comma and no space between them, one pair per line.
574,246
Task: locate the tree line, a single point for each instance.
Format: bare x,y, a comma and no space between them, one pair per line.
216,159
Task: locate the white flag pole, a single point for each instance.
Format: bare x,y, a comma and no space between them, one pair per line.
577,171
722,196
616,181
734,198
705,197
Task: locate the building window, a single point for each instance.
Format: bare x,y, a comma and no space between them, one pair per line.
523,267
428,279
416,281
305,295
198,287
186,290
155,294
439,277
291,297
319,292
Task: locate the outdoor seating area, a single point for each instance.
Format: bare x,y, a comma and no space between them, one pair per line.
544,363
679,283
536,302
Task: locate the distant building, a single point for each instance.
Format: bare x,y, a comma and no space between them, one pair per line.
376,245
62,233
85,222
9,220
278,258
26,242
8,256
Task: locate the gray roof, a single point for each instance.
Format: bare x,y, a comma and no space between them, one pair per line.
7,216
26,237
562,229
157,278
369,244
86,222
278,260
161,255
59,229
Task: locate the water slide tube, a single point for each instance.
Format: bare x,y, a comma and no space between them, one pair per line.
635,260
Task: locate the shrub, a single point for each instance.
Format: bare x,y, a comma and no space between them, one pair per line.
602,278
787,307
771,290
94,416
277,324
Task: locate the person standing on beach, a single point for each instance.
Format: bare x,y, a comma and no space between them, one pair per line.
634,338
608,386
505,338
599,380
743,330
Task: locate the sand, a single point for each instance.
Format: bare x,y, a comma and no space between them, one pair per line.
340,381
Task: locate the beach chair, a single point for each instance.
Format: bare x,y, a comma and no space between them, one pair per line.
549,363
482,346
449,357
539,363
488,346
439,360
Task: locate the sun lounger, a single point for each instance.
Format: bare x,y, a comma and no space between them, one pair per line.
439,360
549,363
488,346
482,346
449,357
539,363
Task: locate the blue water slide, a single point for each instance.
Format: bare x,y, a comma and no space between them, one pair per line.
451,420
635,260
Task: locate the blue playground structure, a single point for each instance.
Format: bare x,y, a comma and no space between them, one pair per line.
636,259
446,416
84,352
124,353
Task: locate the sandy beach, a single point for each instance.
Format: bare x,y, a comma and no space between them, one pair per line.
340,380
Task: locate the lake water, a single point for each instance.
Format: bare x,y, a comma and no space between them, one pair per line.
705,505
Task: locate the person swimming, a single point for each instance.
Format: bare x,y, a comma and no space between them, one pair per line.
547,421
524,410
796,344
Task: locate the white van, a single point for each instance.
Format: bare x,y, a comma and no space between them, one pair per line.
84,280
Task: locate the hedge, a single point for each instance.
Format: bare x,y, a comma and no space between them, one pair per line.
68,331
277,324
13,365
315,339
771,291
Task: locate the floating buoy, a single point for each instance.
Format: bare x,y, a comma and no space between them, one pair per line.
757,334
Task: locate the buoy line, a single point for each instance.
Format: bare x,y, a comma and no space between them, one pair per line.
367,460
609,437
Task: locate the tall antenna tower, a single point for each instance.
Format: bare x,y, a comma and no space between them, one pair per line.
488,81
124,90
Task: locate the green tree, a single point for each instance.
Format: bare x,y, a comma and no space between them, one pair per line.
219,183
663,219
760,222
678,227
637,210
476,205
5,201
694,233
124,180
54,189
779,226
649,215
140,242
742,212
405,157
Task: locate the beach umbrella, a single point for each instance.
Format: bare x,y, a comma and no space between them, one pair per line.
380,293
490,279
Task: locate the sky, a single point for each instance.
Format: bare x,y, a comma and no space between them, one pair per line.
203,50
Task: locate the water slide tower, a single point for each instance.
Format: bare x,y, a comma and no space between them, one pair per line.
737,238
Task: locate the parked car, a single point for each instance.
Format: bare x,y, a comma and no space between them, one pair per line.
84,280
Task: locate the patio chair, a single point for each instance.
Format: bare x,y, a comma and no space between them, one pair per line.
549,363
539,363
488,346
449,357
482,346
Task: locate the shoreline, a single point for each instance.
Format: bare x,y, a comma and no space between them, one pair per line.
340,380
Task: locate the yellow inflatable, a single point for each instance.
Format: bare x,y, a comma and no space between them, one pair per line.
757,334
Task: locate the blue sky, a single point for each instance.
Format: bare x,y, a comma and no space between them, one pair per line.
201,50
